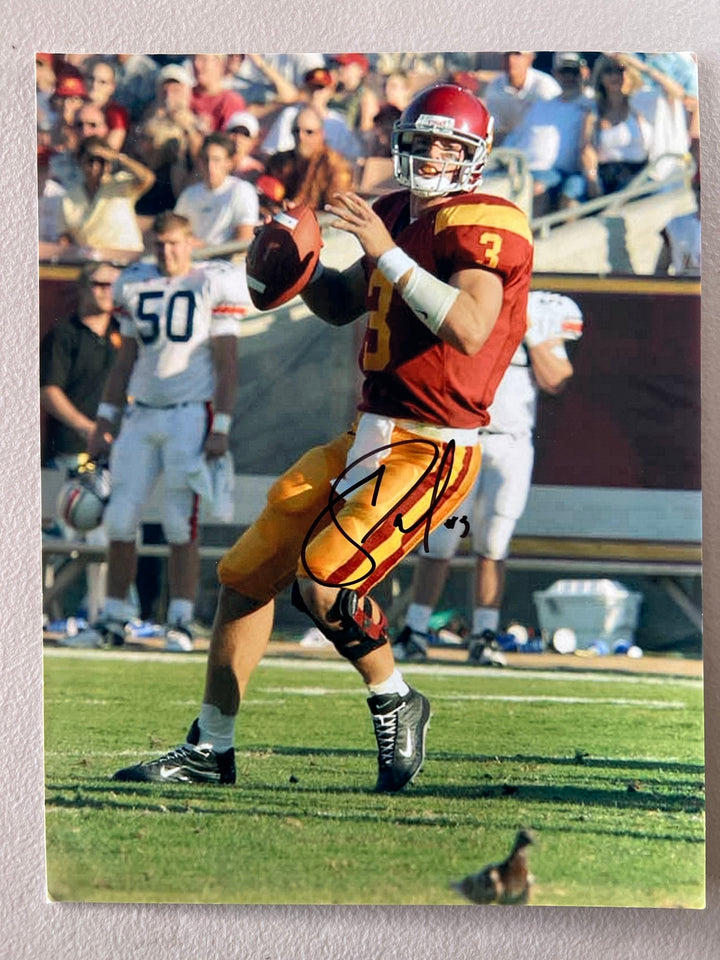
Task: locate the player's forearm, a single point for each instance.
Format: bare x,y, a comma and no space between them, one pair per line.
466,326
54,401
551,370
115,391
461,312
337,297
224,351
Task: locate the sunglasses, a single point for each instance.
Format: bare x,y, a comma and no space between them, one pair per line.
308,131
90,124
100,283
240,131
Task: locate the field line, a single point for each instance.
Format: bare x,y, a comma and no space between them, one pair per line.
419,669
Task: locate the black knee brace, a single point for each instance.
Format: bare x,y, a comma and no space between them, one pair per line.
357,635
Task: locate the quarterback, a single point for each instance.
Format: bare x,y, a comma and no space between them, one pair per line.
444,280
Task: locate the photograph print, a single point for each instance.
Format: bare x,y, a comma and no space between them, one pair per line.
370,422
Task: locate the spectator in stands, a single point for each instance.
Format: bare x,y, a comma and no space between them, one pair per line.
135,80
354,100
100,82
162,146
681,253
617,137
221,208
311,172
668,99
316,91
551,136
91,121
511,94
244,129
99,212
169,141
76,356
397,97
211,100
68,98
173,104
44,90
295,66
258,82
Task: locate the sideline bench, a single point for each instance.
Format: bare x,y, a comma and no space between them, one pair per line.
571,530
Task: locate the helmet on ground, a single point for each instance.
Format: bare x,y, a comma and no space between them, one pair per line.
84,496
445,111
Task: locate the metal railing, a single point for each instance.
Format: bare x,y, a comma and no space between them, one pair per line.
646,183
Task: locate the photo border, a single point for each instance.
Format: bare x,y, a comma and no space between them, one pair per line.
33,927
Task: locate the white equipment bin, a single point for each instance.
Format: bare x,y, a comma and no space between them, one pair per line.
594,609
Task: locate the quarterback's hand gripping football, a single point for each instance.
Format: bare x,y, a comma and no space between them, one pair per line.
356,216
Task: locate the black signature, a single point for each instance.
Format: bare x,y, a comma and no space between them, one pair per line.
336,500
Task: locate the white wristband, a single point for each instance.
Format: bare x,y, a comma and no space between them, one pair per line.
395,263
108,411
221,423
429,298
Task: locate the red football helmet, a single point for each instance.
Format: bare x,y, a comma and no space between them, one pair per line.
448,112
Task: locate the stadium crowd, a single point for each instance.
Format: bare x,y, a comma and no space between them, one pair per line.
226,138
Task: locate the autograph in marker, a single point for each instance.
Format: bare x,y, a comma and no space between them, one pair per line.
336,501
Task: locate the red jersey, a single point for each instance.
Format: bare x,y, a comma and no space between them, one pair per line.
409,372
216,108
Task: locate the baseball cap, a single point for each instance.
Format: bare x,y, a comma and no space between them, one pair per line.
45,57
175,73
70,86
241,118
345,59
568,61
318,78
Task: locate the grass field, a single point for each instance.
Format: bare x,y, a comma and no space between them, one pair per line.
607,770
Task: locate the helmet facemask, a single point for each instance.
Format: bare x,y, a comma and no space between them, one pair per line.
452,175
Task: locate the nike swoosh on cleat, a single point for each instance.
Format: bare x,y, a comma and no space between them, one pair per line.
408,751
167,772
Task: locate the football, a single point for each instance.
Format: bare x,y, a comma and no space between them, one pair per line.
283,256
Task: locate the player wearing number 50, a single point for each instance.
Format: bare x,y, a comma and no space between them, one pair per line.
179,322
445,277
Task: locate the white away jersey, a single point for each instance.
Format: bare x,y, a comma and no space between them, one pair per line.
173,320
514,407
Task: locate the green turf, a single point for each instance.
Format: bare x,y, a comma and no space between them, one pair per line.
612,784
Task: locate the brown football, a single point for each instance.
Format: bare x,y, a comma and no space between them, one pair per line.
283,256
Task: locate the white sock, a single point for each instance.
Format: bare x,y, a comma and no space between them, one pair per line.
393,684
217,730
116,609
418,617
180,611
485,618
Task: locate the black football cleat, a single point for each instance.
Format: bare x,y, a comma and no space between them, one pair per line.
400,726
187,763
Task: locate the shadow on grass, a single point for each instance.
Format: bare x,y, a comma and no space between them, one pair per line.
180,797
152,798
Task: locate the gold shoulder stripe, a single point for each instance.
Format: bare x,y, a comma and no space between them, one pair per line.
487,215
